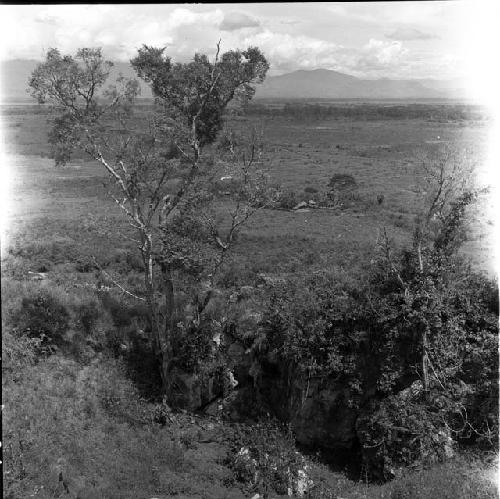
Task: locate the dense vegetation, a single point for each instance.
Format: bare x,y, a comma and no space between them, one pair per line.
320,111
367,338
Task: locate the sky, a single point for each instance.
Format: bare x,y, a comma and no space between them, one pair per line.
367,40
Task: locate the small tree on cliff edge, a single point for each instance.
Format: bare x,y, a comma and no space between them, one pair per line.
145,154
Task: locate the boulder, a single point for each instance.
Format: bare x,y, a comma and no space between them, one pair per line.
37,276
239,363
302,204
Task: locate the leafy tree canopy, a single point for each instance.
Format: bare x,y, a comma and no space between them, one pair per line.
200,90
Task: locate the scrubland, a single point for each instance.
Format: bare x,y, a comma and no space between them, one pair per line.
83,411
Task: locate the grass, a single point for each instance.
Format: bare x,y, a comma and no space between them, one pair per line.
380,155
82,430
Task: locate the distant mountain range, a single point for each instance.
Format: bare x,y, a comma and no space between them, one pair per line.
14,76
327,84
315,84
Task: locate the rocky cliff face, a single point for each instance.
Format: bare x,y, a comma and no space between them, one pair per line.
317,409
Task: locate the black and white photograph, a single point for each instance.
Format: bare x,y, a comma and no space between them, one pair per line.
250,251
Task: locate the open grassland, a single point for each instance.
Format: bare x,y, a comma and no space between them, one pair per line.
383,156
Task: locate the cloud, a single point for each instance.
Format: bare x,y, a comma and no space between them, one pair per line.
69,27
384,52
287,53
289,42
420,13
237,20
409,34
185,17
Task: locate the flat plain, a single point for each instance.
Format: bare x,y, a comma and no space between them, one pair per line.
383,156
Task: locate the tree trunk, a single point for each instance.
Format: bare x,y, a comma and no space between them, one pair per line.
168,326
425,345
420,260
157,331
425,364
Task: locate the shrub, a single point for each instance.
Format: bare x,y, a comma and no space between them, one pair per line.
369,335
42,316
121,311
17,353
287,200
264,458
85,264
235,274
399,433
87,315
192,346
342,182
47,252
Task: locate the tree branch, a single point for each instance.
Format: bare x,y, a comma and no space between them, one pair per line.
117,284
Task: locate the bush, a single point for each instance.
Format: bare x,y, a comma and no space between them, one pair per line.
399,433
121,311
369,335
235,274
87,315
17,354
287,200
342,182
42,316
264,458
192,346
47,252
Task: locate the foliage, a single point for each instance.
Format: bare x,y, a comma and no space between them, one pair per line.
420,310
46,252
193,346
313,112
313,324
191,89
342,181
287,200
18,352
42,317
264,458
